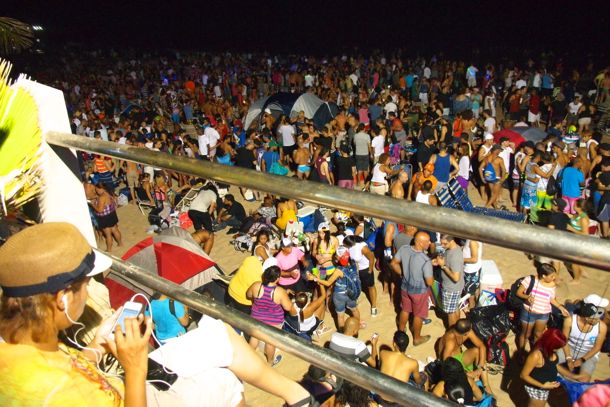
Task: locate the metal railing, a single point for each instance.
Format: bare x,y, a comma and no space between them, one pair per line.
386,386
526,238
532,239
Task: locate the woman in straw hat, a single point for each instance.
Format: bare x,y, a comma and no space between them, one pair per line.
44,291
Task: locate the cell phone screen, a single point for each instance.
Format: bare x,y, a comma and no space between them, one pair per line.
127,313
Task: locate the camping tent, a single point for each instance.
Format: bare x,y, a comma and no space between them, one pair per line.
534,134
290,104
173,255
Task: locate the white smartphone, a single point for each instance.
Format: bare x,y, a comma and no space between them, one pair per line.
131,309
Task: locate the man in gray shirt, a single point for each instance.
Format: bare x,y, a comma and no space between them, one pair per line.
452,277
415,266
362,152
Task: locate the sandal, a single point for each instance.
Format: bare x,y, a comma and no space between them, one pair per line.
276,360
306,402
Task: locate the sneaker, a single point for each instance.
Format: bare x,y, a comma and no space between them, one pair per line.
374,312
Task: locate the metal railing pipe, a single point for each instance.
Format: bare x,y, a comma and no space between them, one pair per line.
386,386
532,239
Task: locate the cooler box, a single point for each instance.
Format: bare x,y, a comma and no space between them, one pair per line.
490,276
306,216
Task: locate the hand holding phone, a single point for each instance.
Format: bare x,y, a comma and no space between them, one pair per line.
130,309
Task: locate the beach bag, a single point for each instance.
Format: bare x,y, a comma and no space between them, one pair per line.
185,221
497,351
243,243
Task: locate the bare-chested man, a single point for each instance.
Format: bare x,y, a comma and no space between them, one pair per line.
396,364
302,159
132,174
492,172
474,359
397,190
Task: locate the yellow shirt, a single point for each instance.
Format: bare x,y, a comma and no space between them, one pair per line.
31,377
248,273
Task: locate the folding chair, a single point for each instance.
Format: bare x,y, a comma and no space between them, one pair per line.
446,199
187,199
143,201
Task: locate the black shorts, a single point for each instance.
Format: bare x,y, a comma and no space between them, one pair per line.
366,279
288,150
362,162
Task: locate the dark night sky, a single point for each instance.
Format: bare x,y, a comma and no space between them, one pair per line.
318,26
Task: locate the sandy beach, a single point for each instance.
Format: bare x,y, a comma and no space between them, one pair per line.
512,264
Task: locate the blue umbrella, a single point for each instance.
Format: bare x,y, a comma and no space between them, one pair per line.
534,134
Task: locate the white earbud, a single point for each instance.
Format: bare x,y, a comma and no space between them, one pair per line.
64,299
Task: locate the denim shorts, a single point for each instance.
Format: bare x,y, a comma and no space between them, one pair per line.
529,318
342,301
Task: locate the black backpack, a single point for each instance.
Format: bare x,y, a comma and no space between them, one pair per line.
513,300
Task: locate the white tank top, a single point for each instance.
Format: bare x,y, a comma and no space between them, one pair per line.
580,343
472,267
306,324
378,175
423,198
355,253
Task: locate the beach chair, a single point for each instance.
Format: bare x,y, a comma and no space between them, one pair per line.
464,202
143,202
187,199
446,199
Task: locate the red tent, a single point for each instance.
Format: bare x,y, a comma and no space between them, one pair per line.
513,136
173,255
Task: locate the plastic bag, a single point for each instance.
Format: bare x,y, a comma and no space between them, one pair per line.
490,321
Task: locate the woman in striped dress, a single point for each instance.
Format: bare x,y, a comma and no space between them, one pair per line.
269,301
537,306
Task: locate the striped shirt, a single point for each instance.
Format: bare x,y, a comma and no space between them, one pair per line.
542,297
265,310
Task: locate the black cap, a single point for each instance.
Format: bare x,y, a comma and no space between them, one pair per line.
529,144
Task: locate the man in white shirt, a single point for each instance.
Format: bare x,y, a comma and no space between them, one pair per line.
490,122
213,137
204,142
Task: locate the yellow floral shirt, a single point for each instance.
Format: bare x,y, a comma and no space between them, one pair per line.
31,377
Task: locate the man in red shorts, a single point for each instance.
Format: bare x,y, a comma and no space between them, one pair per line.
415,266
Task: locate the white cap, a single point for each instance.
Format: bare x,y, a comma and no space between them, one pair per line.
488,136
269,262
596,300
323,226
286,241
268,111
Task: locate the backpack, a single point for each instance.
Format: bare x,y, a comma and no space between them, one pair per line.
554,184
352,281
497,351
515,302
370,234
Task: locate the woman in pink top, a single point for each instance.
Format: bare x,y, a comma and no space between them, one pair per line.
288,260
537,306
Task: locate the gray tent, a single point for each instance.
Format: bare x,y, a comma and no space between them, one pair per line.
290,104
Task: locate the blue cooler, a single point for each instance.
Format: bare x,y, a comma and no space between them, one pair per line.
306,216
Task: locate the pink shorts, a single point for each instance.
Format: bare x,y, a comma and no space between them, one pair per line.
414,303
345,183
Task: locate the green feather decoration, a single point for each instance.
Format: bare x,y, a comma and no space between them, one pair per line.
20,144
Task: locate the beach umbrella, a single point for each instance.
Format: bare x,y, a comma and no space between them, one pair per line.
511,135
534,134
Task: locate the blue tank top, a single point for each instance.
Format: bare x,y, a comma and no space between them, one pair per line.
490,173
442,167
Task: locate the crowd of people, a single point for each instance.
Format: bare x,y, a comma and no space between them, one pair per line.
406,128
